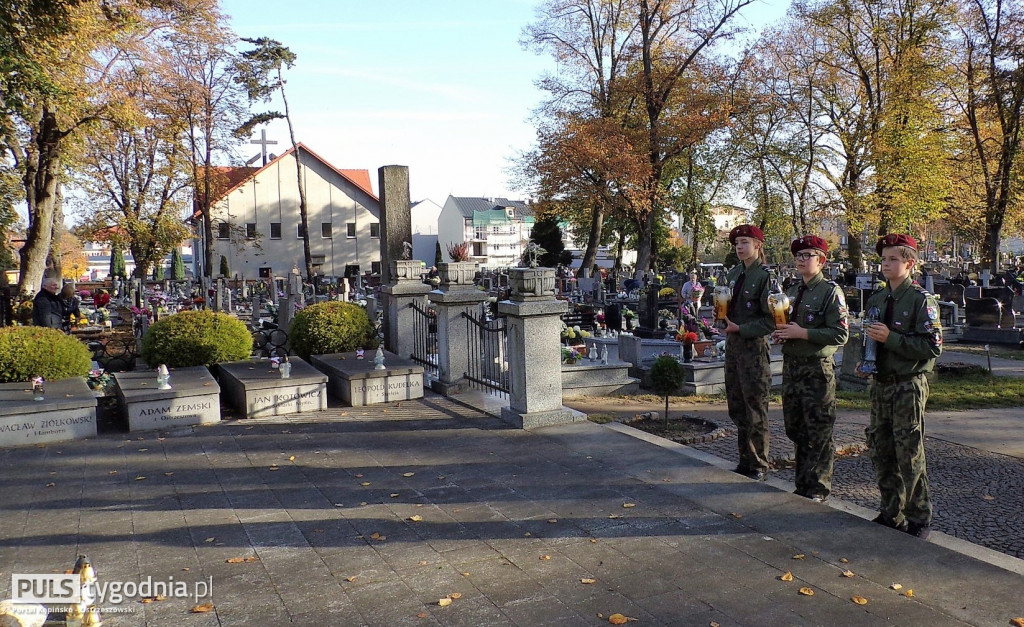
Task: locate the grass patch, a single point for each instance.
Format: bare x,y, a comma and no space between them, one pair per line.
1001,352
972,391
600,419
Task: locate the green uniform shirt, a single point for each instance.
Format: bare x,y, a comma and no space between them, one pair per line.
749,305
915,334
822,311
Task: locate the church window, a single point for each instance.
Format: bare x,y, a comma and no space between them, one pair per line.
223,230
275,230
250,230
299,231
375,229
350,229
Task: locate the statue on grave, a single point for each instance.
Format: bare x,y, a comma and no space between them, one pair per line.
406,250
378,359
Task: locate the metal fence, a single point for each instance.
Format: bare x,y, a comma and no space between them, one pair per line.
114,354
486,344
269,342
424,337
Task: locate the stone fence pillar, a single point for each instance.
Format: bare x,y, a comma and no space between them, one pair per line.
405,288
456,295
534,351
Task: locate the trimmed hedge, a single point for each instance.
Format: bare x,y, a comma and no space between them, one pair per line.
196,338
331,327
27,352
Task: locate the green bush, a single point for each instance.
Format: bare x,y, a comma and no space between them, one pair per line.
27,352
667,375
196,338
331,327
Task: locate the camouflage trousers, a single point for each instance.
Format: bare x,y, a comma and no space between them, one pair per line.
895,439
809,410
748,379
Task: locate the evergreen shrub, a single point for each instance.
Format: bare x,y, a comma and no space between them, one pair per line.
196,338
27,352
331,327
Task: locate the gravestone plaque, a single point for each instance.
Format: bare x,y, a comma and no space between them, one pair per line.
257,390
194,398
67,412
356,382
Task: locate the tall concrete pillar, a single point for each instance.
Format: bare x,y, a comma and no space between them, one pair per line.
395,228
534,352
456,295
405,288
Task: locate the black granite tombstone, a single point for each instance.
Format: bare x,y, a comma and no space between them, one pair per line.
613,317
984,312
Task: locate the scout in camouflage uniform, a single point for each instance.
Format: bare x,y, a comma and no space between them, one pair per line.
748,376
909,339
817,327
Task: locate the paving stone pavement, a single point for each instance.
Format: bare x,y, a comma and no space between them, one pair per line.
323,507
977,495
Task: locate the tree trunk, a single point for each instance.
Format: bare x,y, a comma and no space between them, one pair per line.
40,181
298,177
645,230
56,263
593,241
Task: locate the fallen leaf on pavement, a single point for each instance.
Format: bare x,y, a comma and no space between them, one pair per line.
240,560
896,586
807,592
799,556
139,478
50,485
735,515
989,497
859,600
292,458
552,520
619,619
909,594
445,602
455,595
351,579
209,539
588,580
628,505
408,474
848,573
378,537
202,609
545,557
1017,622
844,560
787,576
394,495
365,483
416,518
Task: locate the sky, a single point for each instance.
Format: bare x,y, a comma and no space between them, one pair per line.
441,86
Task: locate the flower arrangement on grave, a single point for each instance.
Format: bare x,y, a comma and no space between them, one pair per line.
599,318
628,314
666,292
570,355
458,252
664,314
688,338
30,351
100,381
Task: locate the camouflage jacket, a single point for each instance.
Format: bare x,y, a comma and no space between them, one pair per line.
749,308
823,313
915,334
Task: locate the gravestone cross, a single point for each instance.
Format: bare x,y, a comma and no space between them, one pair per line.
985,277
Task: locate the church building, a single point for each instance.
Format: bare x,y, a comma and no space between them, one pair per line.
257,228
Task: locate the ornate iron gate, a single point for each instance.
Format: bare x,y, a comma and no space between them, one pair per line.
424,337
486,345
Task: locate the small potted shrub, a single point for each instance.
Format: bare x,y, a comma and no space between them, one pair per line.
460,270
196,338
28,352
666,376
331,327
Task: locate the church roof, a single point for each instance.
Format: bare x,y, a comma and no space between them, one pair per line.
236,176
468,206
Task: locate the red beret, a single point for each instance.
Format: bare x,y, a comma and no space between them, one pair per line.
745,230
808,241
895,239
